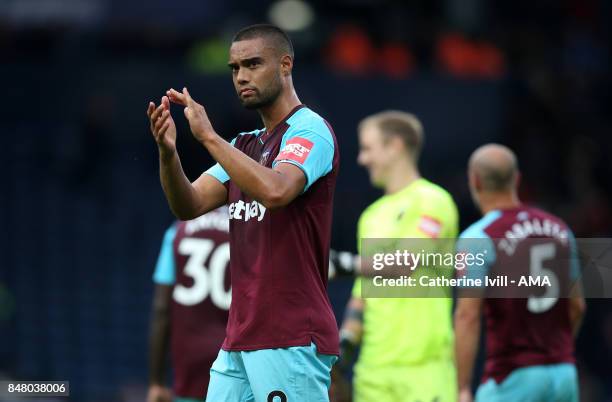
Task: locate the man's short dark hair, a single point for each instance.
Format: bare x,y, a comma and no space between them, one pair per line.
278,38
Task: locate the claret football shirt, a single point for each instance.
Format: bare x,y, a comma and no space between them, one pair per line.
530,331
279,258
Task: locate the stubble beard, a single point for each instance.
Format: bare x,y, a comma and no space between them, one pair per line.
264,98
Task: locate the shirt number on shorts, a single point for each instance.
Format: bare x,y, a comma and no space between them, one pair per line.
206,280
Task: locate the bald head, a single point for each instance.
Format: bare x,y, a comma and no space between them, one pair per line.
494,167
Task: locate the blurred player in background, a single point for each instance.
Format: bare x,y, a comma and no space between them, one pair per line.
406,343
530,342
279,182
190,305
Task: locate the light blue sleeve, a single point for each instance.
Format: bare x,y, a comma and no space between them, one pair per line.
474,241
217,170
165,269
311,151
574,265
218,173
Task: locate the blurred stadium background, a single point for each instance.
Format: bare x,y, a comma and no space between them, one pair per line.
82,212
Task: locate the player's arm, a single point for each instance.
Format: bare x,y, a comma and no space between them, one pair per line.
164,277
351,330
577,308
186,200
158,342
577,304
350,338
273,188
467,334
350,333
190,200
468,313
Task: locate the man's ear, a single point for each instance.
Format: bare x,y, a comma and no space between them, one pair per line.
517,180
475,181
398,143
286,62
393,145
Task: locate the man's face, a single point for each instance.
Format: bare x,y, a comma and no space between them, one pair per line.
376,154
256,72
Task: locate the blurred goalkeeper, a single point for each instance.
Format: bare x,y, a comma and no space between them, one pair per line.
406,343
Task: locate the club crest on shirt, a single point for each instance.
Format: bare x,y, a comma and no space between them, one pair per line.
263,159
296,149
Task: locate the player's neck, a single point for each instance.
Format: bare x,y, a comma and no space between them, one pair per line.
275,113
498,201
401,178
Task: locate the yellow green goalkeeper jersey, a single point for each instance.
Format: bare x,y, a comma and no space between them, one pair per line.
407,331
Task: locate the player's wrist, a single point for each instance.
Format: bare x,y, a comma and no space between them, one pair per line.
166,154
208,138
